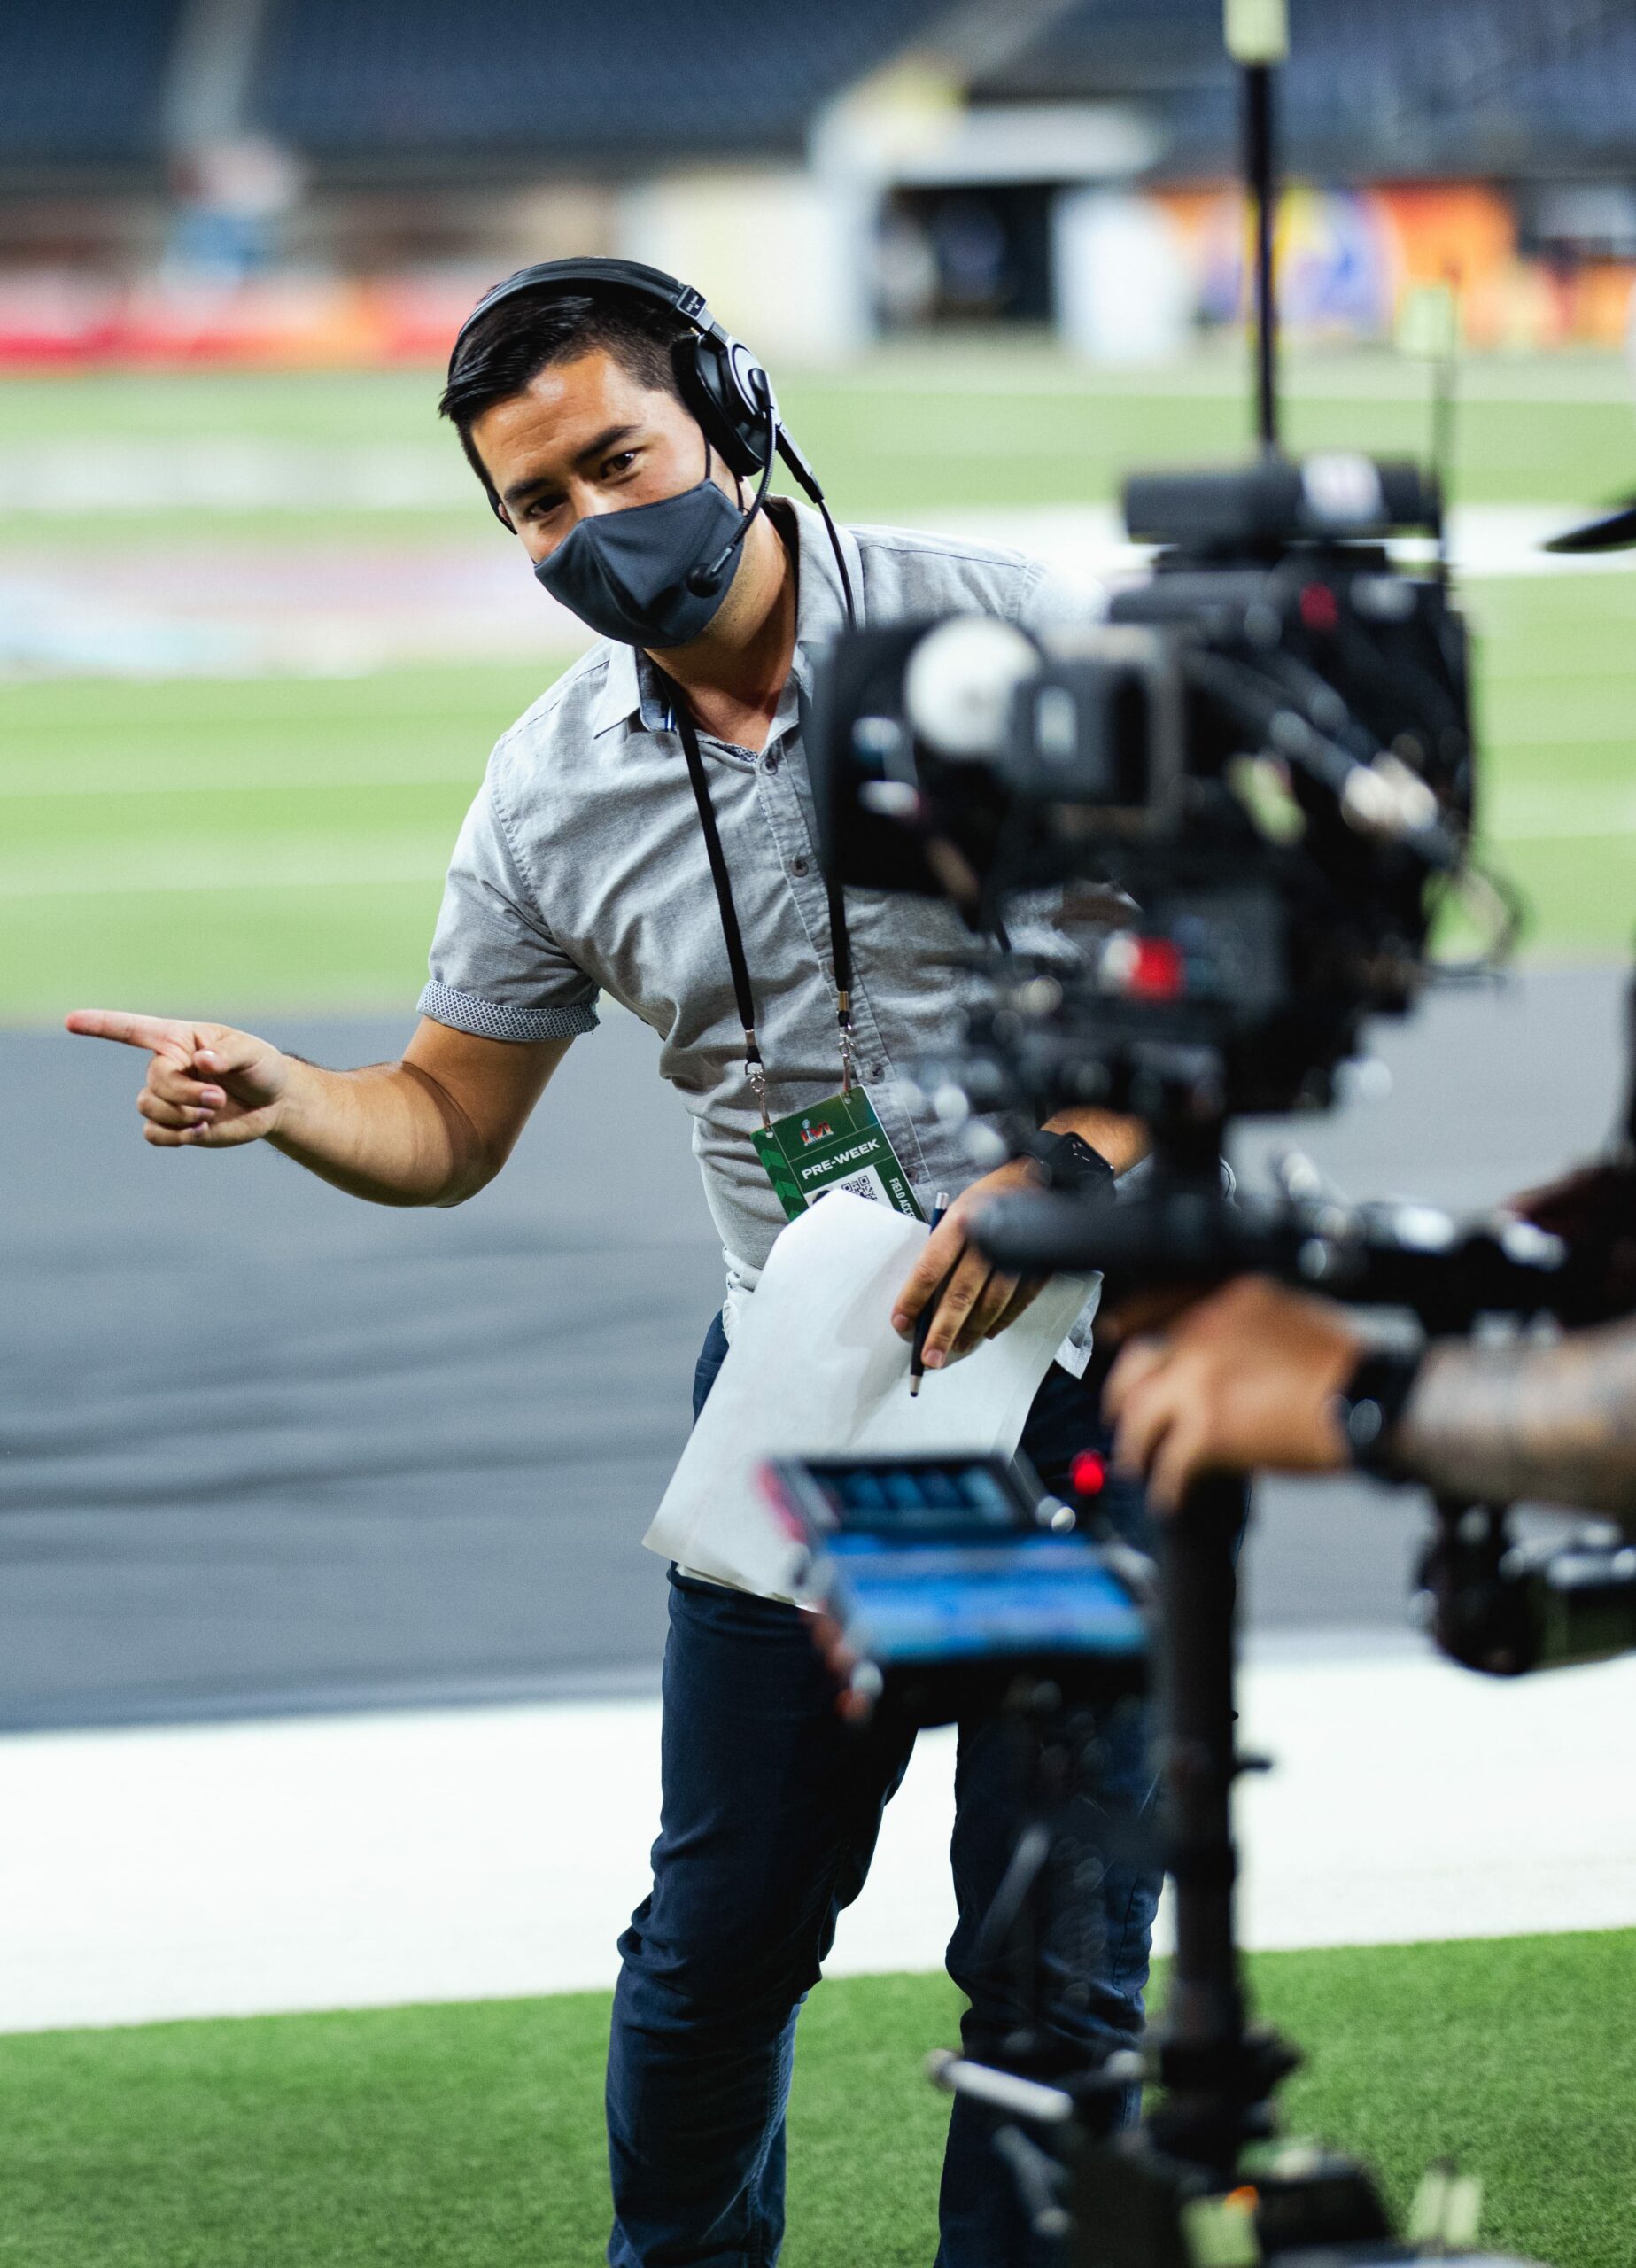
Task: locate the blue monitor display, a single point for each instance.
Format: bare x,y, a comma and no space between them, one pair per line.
1015,1594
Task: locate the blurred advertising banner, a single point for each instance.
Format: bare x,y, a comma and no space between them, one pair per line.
1125,273
1351,261
282,319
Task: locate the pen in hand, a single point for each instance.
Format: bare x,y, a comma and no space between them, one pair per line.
923,1321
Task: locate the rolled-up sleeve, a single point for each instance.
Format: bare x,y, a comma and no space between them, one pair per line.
497,971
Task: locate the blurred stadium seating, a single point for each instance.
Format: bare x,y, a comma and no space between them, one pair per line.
1516,87
1374,89
82,87
354,169
413,80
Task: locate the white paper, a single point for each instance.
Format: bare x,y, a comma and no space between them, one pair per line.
816,1370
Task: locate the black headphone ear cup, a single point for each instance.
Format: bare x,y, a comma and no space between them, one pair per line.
716,382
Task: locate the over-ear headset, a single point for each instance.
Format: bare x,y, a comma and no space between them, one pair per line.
720,380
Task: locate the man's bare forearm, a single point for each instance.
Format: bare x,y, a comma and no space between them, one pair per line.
1507,1424
390,1133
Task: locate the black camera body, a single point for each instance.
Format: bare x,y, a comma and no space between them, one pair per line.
1267,750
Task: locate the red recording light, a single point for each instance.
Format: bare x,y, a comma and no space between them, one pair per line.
1089,1473
1157,970
1320,607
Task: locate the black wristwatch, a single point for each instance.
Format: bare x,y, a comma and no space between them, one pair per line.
1071,1165
1370,1403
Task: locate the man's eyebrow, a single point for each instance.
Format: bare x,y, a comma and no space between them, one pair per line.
523,492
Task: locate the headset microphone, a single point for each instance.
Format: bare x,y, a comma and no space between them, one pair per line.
704,582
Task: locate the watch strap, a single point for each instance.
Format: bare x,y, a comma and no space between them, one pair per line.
1370,1403
1071,1164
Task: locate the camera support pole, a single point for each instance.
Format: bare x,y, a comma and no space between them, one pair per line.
1218,2074
1258,38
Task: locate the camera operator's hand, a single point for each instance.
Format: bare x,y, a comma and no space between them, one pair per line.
1246,1379
208,1086
1593,1209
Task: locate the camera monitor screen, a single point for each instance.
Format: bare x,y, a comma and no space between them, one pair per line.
931,1559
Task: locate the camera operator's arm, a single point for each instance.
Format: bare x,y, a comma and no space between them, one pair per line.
980,1301
1511,1425
1250,1379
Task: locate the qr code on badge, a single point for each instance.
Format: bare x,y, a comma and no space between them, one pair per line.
867,1183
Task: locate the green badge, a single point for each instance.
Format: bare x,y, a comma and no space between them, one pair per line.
836,1144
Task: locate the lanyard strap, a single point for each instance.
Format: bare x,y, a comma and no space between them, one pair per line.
732,936
841,953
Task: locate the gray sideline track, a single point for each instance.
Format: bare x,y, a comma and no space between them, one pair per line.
265,1448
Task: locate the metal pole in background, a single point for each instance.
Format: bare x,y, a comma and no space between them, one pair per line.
1258,39
1258,123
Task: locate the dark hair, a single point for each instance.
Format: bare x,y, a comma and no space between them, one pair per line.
507,348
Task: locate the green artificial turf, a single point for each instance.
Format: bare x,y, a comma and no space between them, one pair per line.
215,847
194,845
242,847
914,428
470,2136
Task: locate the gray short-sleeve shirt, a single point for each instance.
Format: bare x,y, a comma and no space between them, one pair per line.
581,869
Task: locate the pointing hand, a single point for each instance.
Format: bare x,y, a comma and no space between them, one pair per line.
208,1086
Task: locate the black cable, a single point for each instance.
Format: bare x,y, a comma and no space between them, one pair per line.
840,565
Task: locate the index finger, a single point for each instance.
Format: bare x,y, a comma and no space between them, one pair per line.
160,1035
938,1255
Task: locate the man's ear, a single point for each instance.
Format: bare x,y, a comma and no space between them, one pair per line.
501,514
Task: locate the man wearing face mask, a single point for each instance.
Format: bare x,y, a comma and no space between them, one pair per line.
646,829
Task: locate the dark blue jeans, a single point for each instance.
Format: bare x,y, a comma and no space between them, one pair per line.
771,1811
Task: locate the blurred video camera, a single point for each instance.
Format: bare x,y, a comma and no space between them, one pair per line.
1253,777
1267,750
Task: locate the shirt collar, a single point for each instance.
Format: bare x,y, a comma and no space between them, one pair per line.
625,693
629,684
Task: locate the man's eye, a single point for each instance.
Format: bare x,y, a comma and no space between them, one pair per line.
623,462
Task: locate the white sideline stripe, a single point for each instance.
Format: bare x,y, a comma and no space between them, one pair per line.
371,1861
244,471
1084,543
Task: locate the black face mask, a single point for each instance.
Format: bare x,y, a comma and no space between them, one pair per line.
653,574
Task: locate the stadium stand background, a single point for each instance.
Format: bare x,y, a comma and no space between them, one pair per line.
427,149
1509,86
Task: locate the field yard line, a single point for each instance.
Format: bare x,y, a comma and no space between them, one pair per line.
1578,830
44,778
190,870
446,1854
323,869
